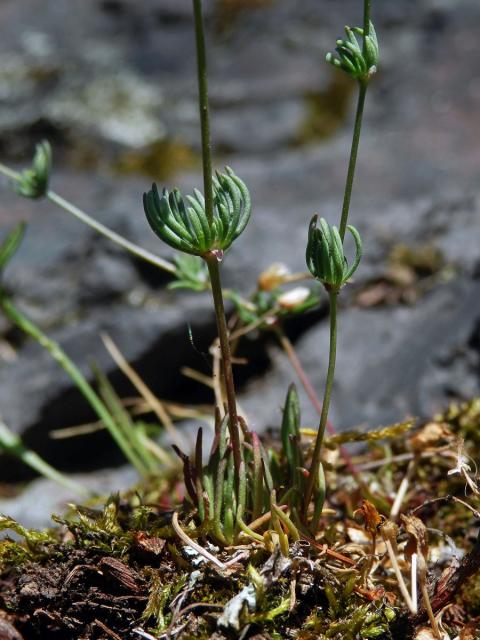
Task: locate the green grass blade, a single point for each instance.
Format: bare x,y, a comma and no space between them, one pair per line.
132,445
12,444
77,377
10,245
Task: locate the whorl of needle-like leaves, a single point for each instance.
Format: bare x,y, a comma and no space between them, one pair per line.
359,62
184,224
325,257
34,181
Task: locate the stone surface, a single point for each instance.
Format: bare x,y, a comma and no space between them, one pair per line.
118,79
391,363
34,507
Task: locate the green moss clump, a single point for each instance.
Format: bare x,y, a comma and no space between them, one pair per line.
160,160
327,110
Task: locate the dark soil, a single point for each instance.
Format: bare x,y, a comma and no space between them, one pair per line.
83,596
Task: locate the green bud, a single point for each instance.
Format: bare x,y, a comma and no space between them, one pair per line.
34,181
325,258
372,54
389,614
290,430
360,62
190,273
183,223
374,631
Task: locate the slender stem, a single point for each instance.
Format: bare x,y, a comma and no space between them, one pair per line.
413,577
366,19
214,271
67,206
428,606
191,543
211,258
203,106
353,158
315,464
312,396
17,317
362,92
10,173
111,235
289,349
402,489
401,582
154,403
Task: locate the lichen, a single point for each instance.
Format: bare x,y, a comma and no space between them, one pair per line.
326,110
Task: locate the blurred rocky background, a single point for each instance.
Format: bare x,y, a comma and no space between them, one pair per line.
111,84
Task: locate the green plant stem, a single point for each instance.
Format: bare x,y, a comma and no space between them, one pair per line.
366,17
13,445
159,262
17,317
362,92
214,271
315,464
353,158
211,258
203,106
289,349
67,206
312,396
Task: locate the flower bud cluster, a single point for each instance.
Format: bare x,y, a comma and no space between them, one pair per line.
33,182
184,224
325,257
359,62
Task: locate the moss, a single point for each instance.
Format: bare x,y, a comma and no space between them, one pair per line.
36,544
126,558
160,160
227,12
464,418
423,260
347,618
327,110
469,597
161,594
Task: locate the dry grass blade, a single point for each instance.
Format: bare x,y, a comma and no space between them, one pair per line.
217,385
402,489
389,532
138,406
152,400
63,433
191,543
159,453
193,374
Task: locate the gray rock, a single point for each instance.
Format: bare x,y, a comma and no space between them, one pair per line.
34,506
391,362
119,77
36,395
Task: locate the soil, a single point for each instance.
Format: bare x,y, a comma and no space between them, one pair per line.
122,572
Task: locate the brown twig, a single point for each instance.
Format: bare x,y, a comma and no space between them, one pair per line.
447,499
106,629
329,552
191,543
448,586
